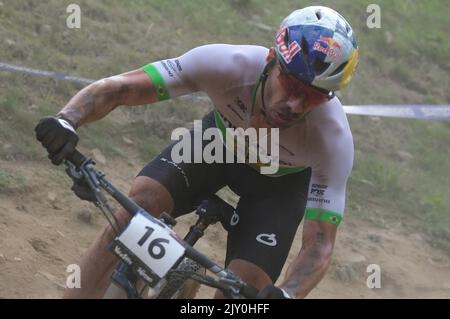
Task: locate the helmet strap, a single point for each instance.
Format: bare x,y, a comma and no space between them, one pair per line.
262,82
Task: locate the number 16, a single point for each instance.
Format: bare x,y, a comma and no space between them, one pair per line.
155,243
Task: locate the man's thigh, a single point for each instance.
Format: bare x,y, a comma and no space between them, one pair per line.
186,182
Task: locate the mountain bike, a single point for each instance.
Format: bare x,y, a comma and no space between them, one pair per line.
154,262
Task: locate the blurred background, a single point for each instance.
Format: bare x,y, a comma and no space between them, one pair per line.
398,203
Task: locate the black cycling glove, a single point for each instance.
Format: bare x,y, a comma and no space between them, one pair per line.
58,136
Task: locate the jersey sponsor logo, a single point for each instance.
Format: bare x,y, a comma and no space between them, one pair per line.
320,200
318,190
235,112
287,150
172,65
226,121
242,145
242,108
240,104
177,62
287,52
164,64
267,239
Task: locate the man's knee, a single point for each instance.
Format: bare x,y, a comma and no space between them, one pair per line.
150,195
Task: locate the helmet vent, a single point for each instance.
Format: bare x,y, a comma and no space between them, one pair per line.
286,38
339,69
318,15
320,66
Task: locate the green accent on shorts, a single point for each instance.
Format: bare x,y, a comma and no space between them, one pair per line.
158,82
323,216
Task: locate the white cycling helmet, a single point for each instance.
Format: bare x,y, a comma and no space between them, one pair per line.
316,45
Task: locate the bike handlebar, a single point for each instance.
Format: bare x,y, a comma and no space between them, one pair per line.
78,160
249,292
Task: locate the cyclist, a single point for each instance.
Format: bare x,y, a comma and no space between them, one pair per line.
290,87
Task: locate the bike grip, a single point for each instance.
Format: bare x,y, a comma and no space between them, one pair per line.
76,158
249,292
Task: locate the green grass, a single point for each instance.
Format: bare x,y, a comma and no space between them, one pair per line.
412,189
406,61
12,181
377,174
436,218
16,127
4,181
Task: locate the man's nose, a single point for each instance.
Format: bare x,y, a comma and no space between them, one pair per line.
295,103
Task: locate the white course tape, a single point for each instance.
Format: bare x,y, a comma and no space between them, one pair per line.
63,77
424,112
429,112
52,75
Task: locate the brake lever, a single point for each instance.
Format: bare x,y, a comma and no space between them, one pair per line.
72,170
91,176
87,173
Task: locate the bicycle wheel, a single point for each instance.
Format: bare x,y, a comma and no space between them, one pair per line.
175,287
178,287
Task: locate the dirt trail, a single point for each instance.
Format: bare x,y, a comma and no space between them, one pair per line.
44,228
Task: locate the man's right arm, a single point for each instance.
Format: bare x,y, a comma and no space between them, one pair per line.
101,97
157,81
58,135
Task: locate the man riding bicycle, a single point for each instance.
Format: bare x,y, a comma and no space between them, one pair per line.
290,87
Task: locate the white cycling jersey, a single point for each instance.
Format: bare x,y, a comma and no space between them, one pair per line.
228,74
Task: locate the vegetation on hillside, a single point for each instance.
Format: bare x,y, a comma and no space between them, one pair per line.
401,172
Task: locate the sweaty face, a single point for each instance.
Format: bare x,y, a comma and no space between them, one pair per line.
288,99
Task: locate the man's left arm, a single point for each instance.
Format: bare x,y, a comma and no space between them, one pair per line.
333,158
311,264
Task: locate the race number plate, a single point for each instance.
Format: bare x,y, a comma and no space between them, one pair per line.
149,246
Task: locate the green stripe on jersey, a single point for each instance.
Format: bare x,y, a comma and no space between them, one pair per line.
158,82
323,215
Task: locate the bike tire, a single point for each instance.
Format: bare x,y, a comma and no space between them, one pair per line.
179,287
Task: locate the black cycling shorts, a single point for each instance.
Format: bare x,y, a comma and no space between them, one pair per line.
270,209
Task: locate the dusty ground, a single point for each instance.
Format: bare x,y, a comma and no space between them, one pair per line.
44,228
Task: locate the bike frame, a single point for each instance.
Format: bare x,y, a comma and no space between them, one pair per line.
81,168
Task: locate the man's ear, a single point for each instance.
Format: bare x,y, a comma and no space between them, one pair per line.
271,56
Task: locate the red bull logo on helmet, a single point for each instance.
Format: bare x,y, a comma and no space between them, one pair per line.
286,52
330,42
332,47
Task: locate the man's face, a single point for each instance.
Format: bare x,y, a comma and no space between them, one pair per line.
287,99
